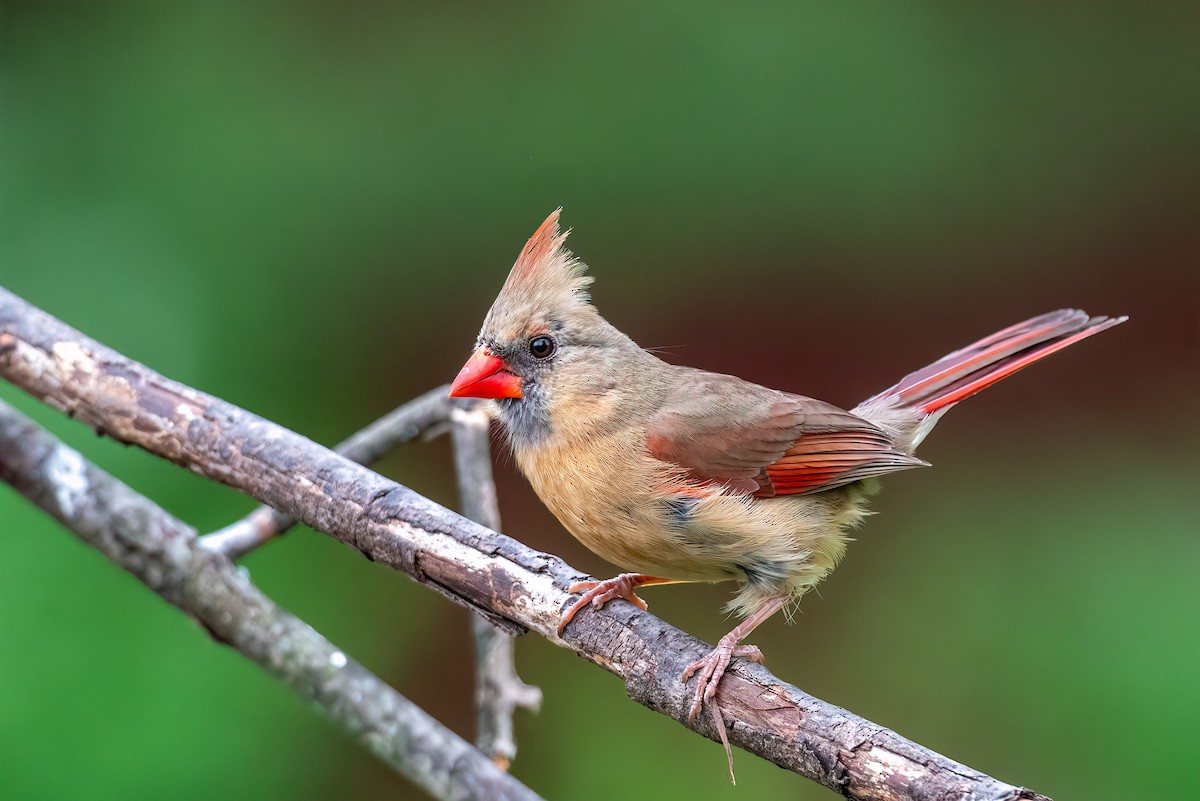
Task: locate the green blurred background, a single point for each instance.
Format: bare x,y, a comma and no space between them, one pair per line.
306,208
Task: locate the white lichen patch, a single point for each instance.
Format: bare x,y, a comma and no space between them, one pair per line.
67,474
337,659
33,362
889,767
186,412
71,357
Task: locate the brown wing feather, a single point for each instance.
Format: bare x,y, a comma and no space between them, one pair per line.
720,428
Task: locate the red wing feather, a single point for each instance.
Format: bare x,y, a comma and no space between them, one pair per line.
819,462
725,430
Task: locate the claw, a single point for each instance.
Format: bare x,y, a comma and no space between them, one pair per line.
718,720
712,668
598,593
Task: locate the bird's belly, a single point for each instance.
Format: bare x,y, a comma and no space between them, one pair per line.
629,533
616,511
781,545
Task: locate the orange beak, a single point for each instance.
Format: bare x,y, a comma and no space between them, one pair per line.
484,376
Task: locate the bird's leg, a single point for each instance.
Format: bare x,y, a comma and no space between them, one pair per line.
712,667
598,593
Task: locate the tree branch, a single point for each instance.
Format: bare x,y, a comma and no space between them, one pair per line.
162,552
470,564
418,417
499,691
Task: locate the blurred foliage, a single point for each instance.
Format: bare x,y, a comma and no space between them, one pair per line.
306,208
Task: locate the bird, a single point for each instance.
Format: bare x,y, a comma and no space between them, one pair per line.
675,474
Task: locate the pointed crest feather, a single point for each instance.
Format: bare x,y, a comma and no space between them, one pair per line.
546,276
541,247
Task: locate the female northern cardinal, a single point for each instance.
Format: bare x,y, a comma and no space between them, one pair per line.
678,474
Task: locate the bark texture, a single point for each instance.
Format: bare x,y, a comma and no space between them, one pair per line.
162,552
421,416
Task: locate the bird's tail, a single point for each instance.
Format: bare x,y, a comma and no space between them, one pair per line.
923,396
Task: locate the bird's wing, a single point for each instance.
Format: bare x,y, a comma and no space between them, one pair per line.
726,430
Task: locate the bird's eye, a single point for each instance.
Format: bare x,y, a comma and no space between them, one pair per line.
542,347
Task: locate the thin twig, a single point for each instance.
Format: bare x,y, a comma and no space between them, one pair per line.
493,574
420,416
499,691
162,552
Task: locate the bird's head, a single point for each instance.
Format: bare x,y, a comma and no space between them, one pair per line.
543,347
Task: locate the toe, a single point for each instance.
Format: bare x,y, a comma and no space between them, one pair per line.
751,652
569,615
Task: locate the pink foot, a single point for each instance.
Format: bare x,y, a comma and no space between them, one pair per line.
712,668
601,592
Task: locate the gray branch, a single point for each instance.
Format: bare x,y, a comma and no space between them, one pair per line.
515,586
162,552
421,416
499,691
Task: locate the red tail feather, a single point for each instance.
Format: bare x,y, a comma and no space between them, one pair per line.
964,372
